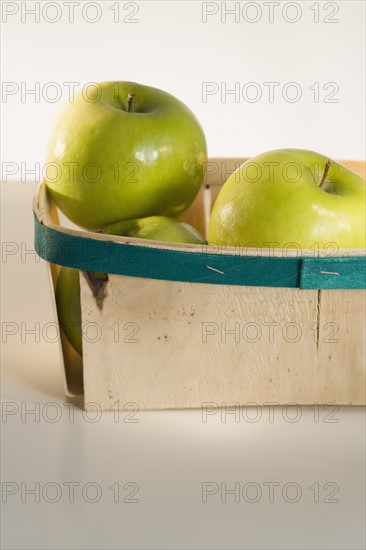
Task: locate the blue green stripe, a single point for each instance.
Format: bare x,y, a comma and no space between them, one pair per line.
203,267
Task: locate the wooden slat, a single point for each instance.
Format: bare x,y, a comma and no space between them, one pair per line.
342,344
171,358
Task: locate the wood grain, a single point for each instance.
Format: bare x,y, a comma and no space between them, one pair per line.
182,344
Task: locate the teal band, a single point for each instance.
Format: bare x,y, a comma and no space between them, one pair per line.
204,267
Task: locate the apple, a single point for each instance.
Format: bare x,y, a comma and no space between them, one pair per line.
68,284
118,154
157,228
290,196
68,306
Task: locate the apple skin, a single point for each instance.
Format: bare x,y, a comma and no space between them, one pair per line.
157,228
260,206
68,283
149,161
68,306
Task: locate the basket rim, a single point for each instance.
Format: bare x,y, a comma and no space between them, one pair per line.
42,203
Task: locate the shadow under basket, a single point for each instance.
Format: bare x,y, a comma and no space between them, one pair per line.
182,326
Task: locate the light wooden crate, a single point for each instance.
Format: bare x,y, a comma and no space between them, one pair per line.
167,344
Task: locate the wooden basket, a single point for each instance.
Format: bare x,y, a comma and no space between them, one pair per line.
167,344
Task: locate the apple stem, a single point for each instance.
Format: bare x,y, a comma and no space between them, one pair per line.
326,170
130,98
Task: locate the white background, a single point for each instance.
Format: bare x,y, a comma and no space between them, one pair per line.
170,47
170,454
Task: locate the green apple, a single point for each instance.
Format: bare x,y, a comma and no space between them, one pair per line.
121,150
157,228
290,196
68,306
68,283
